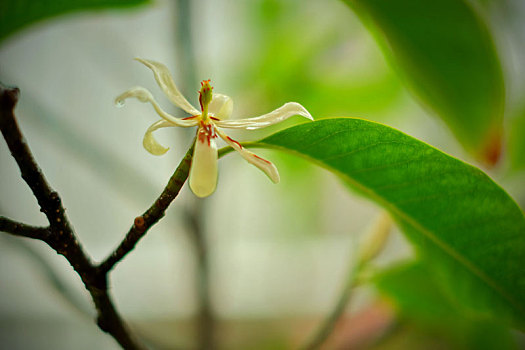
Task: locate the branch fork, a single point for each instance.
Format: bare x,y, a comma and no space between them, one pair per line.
60,235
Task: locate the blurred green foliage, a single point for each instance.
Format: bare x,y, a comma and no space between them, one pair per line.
516,147
442,50
425,309
17,14
302,58
445,52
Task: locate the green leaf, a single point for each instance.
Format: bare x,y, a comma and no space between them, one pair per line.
16,14
420,300
415,291
445,52
516,145
461,221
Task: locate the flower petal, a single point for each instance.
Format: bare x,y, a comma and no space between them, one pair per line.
166,83
284,112
204,165
221,106
266,166
150,144
144,95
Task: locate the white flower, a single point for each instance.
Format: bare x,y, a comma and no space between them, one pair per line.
214,112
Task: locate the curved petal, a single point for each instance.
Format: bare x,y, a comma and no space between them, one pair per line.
144,95
266,166
221,106
166,83
150,144
284,112
204,165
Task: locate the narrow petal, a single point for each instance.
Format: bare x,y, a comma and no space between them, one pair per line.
266,166
204,166
150,144
221,106
144,95
284,112
166,83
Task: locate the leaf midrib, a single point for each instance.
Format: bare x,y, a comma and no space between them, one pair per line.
404,216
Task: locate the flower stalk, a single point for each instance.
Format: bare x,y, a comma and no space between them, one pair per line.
151,216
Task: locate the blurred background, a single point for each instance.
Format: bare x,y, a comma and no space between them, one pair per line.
278,254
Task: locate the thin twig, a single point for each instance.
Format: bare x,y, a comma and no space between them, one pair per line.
151,216
371,246
61,236
329,323
48,200
19,229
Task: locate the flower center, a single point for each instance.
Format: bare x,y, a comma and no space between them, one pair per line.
206,132
205,97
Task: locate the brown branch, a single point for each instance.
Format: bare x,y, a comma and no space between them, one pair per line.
20,229
151,216
48,200
59,235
